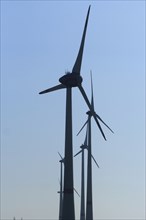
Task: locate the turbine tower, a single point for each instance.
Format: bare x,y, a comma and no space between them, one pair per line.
69,80
83,147
89,200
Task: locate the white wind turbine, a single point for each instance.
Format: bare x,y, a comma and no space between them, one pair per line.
69,80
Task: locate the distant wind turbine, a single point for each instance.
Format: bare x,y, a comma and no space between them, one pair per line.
82,208
83,147
69,80
61,187
89,201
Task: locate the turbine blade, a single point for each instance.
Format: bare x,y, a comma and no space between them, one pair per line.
60,155
91,109
92,99
104,123
82,127
60,86
95,161
85,142
78,62
76,192
92,104
77,153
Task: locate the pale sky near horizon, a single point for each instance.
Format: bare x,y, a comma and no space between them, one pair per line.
39,42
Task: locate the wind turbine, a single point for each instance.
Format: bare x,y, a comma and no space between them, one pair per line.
83,147
61,186
69,80
82,210
89,201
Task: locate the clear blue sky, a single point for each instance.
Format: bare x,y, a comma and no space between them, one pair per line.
39,42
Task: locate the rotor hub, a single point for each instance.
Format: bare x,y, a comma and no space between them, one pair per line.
83,146
89,113
71,79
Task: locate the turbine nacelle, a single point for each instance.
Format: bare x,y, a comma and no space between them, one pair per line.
84,146
90,113
61,161
71,79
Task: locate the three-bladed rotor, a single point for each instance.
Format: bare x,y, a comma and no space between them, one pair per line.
74,78
96,116
85,146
